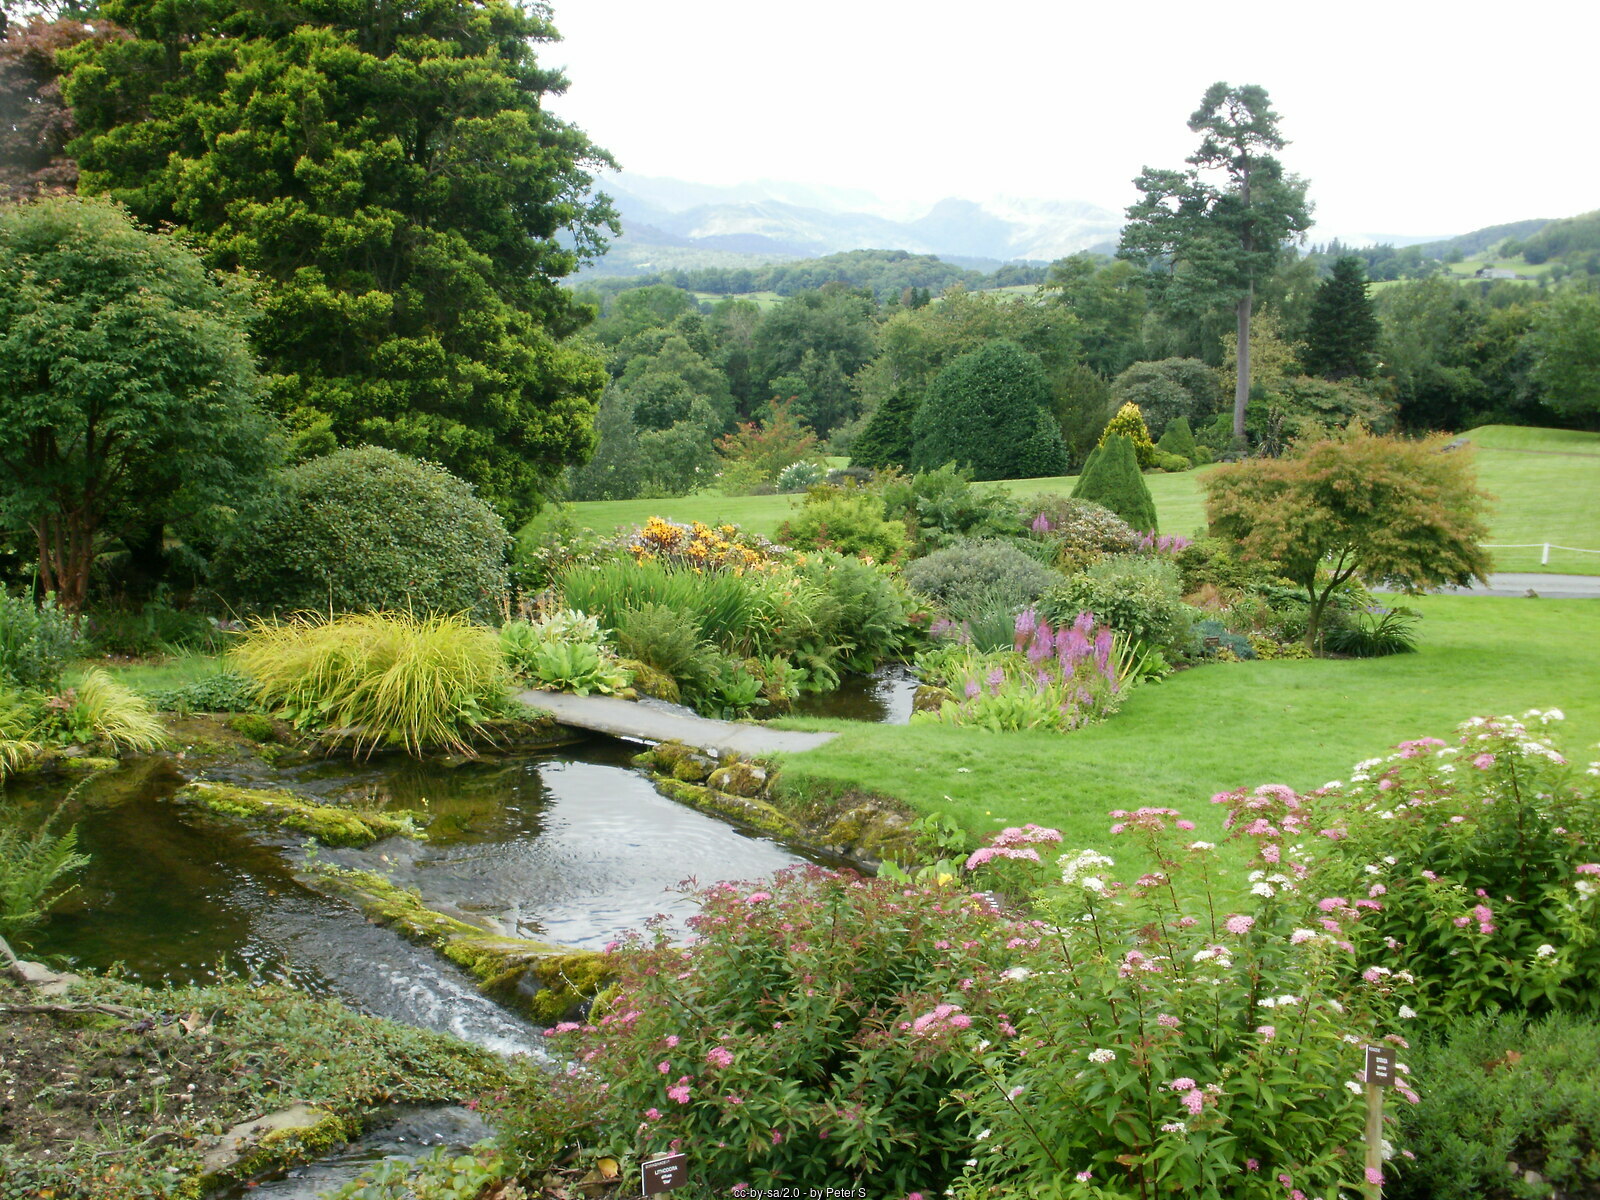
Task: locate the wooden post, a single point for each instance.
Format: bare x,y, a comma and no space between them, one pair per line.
1374,1191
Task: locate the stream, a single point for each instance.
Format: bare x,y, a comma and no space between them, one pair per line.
574,846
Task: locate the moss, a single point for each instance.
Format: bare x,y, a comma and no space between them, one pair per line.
651,682
739,778
551,983
289,1147
329,824
929,698
255,726
87,763
754,814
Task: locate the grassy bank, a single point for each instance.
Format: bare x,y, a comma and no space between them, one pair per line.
1224,726
1546,483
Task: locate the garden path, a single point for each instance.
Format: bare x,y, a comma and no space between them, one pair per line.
624,718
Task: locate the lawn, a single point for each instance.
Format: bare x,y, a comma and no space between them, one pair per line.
1547,482
1229,725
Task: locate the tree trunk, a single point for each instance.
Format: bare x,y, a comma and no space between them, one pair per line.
1241,382
66,556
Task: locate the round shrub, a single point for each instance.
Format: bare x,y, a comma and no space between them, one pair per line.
1134,594
990,410
1081,530
849,521
368,529
1179,439
972,576
1171,463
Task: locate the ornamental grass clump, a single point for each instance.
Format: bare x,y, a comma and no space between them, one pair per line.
803,1034
1171,1036
1482,859
381,679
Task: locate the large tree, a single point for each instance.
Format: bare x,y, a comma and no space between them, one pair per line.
389,170
127,390
1384,510
990,410
1342,329
1214,232
35,123
1565,340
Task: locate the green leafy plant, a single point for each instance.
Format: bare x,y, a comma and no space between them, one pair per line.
225,691
967,576
1134,594
367,529
439,1175
1371,631
36,641
798,476
846,520
1507,1100
380,678
577,667
1079,531
32,865
944,506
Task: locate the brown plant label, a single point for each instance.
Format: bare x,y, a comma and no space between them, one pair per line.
1380,1066
663,1174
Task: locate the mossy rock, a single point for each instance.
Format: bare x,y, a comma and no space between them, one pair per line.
329,824
754,814
870,832
87,763
650,682
255,726
551,983
929,698
273,1142
739,778
680,762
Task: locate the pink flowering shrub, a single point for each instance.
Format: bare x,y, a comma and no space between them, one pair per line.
1168,1037
1480,859
804,1035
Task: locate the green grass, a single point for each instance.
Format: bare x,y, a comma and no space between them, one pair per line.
1541,497
1547,488
165,674
1214,728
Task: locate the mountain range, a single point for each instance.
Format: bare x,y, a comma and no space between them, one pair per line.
674,224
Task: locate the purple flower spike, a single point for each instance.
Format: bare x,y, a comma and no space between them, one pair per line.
996,678
972,689
1041,524
1084,624
1027,622
1042,646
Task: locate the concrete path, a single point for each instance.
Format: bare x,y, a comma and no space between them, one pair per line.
624,718
1550,587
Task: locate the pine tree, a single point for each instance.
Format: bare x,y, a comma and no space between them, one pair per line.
886,440
1179,439
1129,422
1112,479
1342,330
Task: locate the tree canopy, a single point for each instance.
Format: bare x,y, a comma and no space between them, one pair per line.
1342,329
1407,513
127,390
990,410
1214,242
391,173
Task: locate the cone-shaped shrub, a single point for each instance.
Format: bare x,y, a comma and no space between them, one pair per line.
1129,422
1113,480
1179,439
990,410
1088,465
886,440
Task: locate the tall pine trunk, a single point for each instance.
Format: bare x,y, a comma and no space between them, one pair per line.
1241,382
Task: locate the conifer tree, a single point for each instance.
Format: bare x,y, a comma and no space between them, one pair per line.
1342,330
1179,439
1112,479
1129,422
886,440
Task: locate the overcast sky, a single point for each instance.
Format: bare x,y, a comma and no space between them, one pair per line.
1406,117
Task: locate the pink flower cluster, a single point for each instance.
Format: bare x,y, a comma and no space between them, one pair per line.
1189,1093
1148,818
1014,842
1165,544
944,1018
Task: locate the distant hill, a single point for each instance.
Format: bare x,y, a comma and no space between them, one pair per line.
667,222
1480,240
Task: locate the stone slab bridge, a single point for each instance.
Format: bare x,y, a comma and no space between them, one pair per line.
627,719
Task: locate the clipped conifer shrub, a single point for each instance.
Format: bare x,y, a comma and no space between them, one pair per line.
366,530
1113,481
1129,422
1179,439
886,441
990,410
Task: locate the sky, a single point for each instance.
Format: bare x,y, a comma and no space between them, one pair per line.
1405,117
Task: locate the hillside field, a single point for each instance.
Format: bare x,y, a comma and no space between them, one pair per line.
1546,484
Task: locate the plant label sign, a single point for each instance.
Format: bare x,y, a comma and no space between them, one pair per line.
664,1173
1380,1066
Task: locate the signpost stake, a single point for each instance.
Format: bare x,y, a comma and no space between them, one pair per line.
1380,1074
